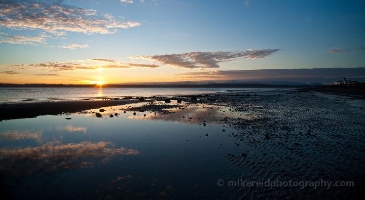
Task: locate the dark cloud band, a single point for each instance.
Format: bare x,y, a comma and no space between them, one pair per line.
322,75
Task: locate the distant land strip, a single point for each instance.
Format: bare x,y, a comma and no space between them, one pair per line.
209,85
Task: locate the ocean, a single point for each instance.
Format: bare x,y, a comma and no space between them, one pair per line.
33,94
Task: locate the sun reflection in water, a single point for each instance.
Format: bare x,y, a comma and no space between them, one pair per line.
100,92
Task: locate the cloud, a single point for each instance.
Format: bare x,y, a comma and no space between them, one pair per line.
126,1
88,64
207,59
341,50
55,157
47,74
131,1
247,2
58,66
338,50
55,17
9,72
323,75
184,60
104,60
142,65
118,64
75,46
22,39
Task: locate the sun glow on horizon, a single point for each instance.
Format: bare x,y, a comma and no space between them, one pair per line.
100,83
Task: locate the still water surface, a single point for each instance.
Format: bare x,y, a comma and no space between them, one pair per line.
31,94
131,156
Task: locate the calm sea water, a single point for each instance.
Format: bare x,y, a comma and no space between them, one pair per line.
142,156
21,94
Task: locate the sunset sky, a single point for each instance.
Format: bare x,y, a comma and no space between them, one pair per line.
140,41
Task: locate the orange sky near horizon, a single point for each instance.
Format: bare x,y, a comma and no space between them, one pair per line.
105,76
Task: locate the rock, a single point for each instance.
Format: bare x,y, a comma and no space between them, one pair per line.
111,115
98,115
179,101
167,101
102,110
134,113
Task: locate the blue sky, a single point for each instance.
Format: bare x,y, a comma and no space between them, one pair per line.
122,41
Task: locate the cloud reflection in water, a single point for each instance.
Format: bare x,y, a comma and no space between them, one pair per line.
54,156
20,135
191,114
72,129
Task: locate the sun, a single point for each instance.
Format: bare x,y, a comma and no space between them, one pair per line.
100,83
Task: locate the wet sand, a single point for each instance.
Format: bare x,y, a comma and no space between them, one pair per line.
34,109
354,91
287,136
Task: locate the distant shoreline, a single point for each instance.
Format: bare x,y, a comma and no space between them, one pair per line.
212,85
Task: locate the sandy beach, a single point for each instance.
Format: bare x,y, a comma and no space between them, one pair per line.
293,135
34,109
